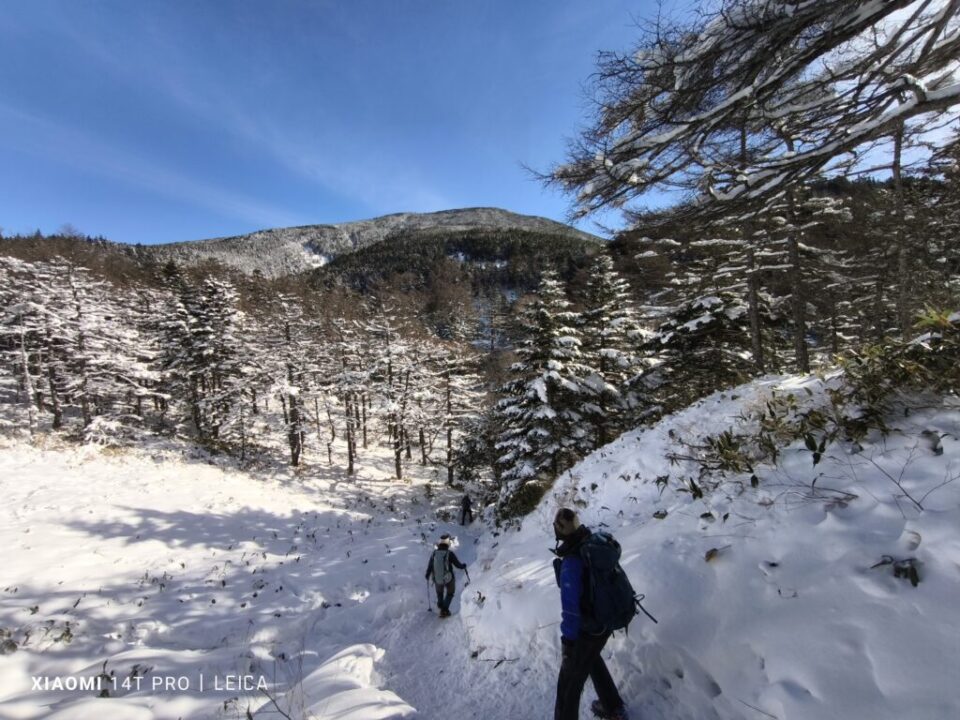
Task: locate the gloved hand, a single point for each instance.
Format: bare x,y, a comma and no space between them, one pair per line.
566,648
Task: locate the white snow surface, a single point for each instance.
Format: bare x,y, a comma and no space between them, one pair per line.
318,583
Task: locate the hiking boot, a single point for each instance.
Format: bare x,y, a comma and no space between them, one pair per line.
619,714
445,613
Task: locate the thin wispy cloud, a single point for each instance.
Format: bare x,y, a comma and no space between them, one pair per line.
349,167
260,114
56,140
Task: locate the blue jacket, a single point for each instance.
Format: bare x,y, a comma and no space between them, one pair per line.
568,567
571,588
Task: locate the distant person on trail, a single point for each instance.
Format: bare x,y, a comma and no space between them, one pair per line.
440,568
580,648
466,511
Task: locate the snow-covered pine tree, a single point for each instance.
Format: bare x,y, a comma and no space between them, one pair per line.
348,381
202,350
109,363
703,346
22,336
142,340
540,412
824,265
78,343
802,89
461,398
178,361
219,338
610,339
288,349
394,373
815,82
425,402
936,207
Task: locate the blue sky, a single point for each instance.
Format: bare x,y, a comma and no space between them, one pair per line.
148,121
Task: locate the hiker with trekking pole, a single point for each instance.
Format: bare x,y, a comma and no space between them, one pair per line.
596,599
440,568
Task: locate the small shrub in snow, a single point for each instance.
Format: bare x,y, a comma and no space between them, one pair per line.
523,501
876,381
905,568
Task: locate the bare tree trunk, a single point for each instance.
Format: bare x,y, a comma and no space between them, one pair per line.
364,403
27,381
294,419
37,396
900,235
449,456
834,329
54,398
798,299
753,304
358,422
81,349
294,435
243,435
351,437
397,451
753,280
449,399
195,410
333,435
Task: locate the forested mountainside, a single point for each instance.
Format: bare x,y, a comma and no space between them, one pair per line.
285,251
111,340
506,259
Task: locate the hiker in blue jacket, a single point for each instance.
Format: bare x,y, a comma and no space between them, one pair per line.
580,648
440,568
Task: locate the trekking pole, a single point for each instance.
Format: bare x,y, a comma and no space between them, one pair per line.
429,601
637,599
468,578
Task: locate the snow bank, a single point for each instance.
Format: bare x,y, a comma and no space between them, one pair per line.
344,688
789,618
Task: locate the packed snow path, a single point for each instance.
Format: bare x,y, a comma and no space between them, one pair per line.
139,568
168,568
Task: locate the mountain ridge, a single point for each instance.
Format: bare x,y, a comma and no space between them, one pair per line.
281,251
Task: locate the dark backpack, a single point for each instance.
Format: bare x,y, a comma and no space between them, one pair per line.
609,600
442,573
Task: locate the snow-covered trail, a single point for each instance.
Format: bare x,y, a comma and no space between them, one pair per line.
437,666
165,565
150,565
158,565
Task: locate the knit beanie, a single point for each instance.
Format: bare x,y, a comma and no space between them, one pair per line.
565,523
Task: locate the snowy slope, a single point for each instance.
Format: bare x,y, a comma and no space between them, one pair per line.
167,566
789,620
172,569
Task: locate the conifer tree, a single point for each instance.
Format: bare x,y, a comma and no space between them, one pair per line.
461,399
610,336
542,424
701,347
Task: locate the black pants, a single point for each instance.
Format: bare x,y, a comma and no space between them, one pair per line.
583,661
444,599
466,516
